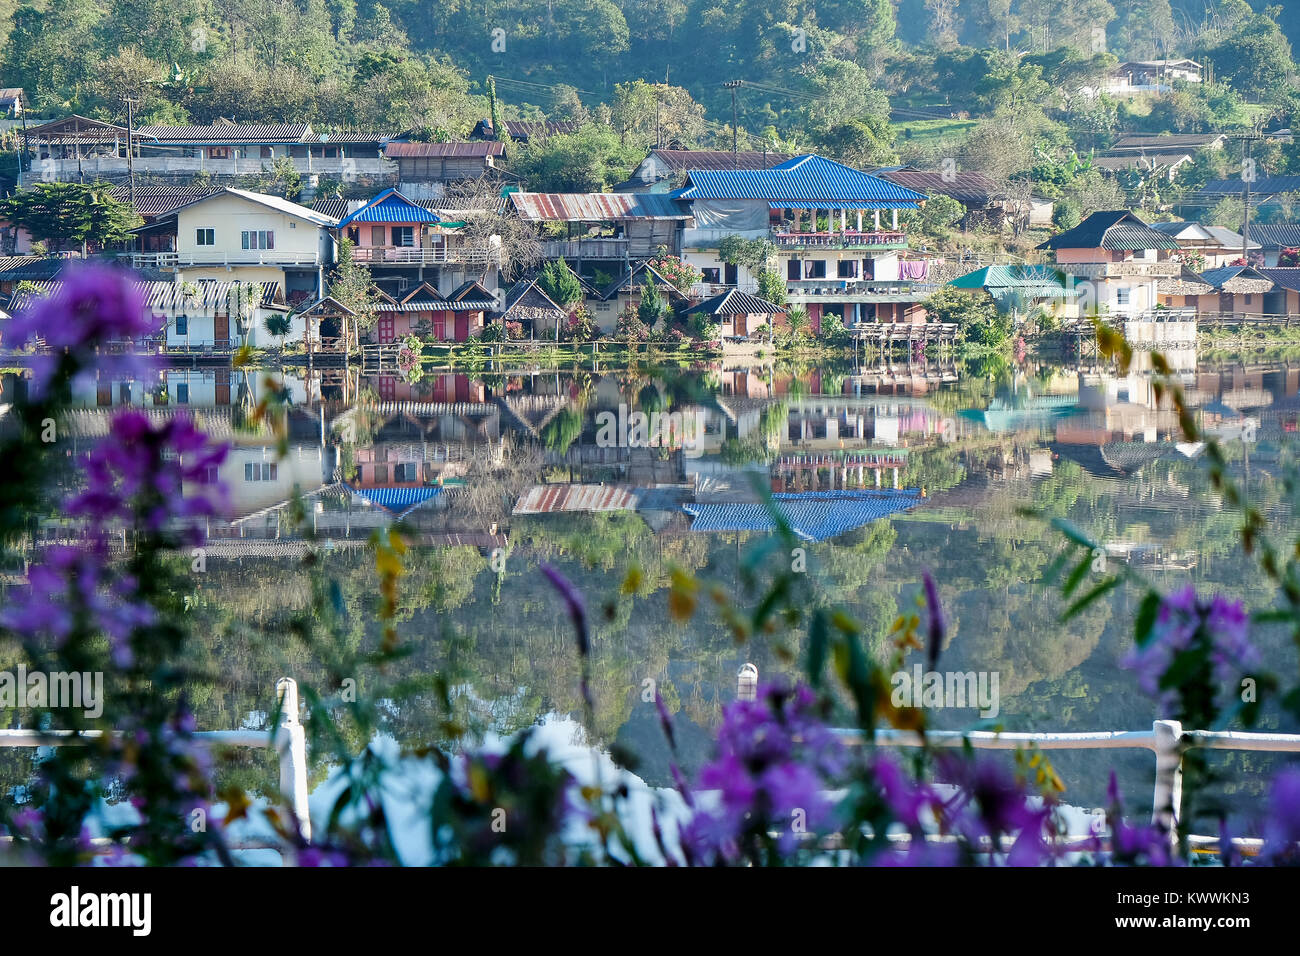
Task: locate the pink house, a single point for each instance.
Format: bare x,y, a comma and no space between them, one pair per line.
433,317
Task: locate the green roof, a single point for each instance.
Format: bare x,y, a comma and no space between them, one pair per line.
1033,281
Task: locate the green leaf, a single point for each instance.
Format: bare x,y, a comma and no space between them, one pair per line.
1146,618
818,645
1083,602
1077,575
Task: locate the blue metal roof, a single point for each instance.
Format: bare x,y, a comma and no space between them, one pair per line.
400,501
390,206
842,204
799,180
812,515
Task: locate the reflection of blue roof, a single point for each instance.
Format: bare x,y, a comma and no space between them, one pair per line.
400,501
1039,410
812,515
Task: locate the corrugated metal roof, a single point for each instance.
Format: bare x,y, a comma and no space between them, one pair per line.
160,296
796,180
550,499
1036,281
153,199
390,206
399,501
31,267
1265,186
228,133
811,515
1115,229
1286,278
596,207
681,160
1277,236
735,302
964,187
442,150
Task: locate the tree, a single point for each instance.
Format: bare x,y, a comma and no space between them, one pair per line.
866,143
352,285
278,325
561,284
652,307
71,214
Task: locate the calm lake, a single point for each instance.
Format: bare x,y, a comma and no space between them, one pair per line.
882,472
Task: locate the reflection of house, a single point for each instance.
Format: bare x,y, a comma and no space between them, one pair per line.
812,516
825,219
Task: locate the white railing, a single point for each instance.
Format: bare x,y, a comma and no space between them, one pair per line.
288,740
1166,739
607,248
114,167
241,257
423,255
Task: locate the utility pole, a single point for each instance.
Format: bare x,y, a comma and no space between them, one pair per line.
1247,177
130,151
734,85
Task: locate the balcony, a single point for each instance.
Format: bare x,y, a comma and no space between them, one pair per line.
591,249
425,255
114,168
857,290
240,257
1116,270
840,240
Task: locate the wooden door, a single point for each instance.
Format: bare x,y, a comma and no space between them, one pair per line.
742,324
462,326
221,330
387,328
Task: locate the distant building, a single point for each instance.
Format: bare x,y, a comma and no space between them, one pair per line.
424,169
663,169
521,131
1217,246
1150,77
13,101
974,190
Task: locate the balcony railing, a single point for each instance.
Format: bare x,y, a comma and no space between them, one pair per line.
866,290
1110,270
240,257
423,255
607,248
840,240
114,167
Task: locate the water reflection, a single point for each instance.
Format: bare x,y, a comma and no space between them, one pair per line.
880,471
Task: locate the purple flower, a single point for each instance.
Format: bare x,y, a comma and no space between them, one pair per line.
1282,830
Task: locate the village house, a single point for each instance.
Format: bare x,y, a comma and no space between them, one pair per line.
77,149
205,315
428,314
1017,289
1276,240
425,169
1167,153
606,229
1207,247
738,314
836,252
625,292
1150,77
13,100
978,194
1117,261
521,131
235,235
406,244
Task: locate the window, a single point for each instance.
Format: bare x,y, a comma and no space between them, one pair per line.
205,237
182,325
182,394
1123,296
712,276
793,270
260,471
732,274
847,269
815,269
404,236
257,239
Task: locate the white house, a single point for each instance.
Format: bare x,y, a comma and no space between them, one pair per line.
236,235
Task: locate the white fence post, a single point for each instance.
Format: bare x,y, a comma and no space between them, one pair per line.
1166,807
747,683
291,744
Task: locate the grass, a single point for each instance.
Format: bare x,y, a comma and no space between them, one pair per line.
917,132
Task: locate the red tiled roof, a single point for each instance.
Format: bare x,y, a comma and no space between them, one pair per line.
442,150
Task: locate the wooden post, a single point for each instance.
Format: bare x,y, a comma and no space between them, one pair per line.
747,683
1166,806
291,744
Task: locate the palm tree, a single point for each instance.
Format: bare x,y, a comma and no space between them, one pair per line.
279,326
